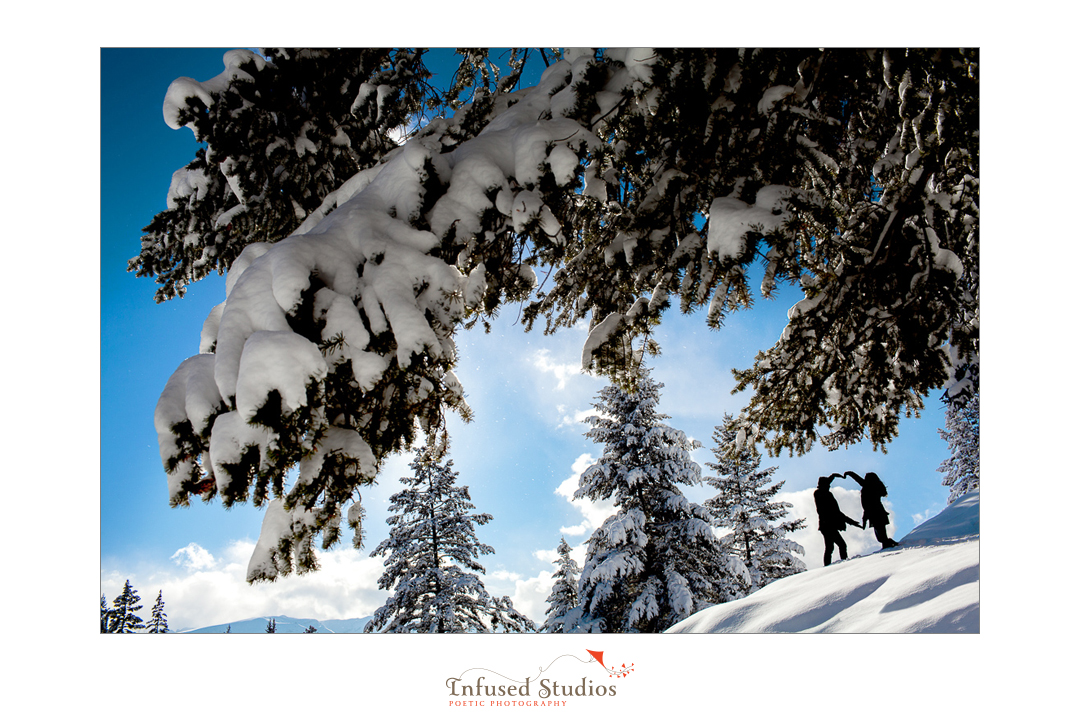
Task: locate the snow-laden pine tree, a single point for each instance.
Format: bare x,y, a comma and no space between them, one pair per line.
123,618
755,525
656,560
961,432
271,626
280,131
159,621
353,261
564,592
431,558
106,614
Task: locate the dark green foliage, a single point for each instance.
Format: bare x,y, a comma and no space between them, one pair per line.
656,560
431,558
122,616
961,432
105,615
564,592
754,524
289,128
159,622
891,277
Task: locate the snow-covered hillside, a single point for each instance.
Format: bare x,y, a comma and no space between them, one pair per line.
930,583
285,624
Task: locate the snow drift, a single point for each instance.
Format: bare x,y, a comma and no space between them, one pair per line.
928,584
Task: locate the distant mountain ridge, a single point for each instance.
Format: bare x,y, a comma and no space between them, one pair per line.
285,624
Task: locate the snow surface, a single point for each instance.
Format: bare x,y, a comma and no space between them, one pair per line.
284,625
929,584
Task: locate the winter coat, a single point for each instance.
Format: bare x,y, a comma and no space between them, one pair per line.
828,510
873,510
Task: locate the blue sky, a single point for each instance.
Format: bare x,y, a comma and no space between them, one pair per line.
519,457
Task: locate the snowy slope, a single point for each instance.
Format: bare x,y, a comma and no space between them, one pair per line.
286,624
930,583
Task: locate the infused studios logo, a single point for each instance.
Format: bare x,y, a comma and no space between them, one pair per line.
480,687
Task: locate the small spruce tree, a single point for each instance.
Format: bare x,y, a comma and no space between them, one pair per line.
655,561
310,630
106,614
271,625
746,508
159,622
431,549
961,431
564,593
126,604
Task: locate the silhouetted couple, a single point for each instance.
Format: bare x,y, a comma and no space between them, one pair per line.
831,521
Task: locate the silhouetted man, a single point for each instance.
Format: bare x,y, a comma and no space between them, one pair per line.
873,510
830,520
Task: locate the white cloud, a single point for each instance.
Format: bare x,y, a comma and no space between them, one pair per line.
530,596
919,518
550,556
562,371
238,553
577,553
576,419
569,486
594,513
193,557
505,575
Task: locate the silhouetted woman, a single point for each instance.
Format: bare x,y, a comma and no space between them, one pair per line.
873,511
830,520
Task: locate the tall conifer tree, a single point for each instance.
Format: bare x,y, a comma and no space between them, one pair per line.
656,560
961,431
431,558
745,507
126,604
564,592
